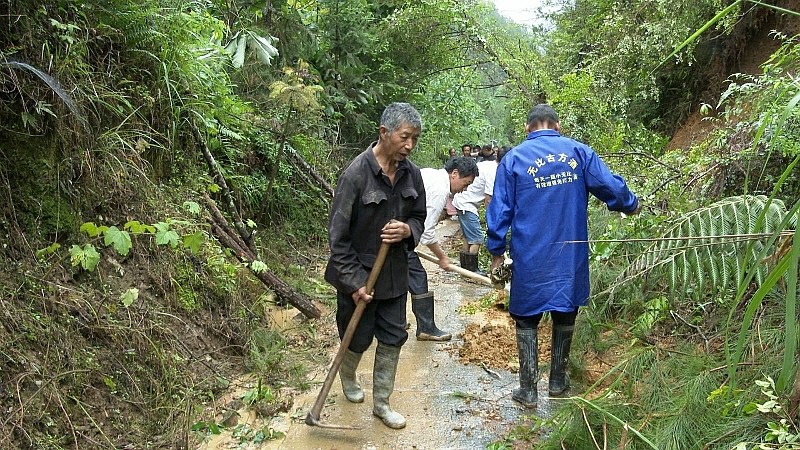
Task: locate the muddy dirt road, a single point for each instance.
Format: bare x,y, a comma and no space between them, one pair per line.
447,403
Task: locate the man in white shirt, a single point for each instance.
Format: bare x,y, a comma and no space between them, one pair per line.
458,173
467,204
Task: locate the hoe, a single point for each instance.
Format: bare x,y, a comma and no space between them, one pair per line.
313,416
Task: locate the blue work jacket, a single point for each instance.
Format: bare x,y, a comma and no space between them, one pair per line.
541,193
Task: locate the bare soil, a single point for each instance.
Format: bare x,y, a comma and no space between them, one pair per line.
494,344
751,52
490,341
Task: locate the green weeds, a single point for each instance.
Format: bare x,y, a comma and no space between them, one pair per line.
258,394
492,299
780,431
248,434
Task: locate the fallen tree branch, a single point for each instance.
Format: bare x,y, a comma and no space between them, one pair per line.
320,193
231,243
226,192
236,241
296,158
282,290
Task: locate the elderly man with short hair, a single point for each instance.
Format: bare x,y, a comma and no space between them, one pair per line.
379,185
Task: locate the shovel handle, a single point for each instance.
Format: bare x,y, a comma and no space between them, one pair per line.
313,415
459,270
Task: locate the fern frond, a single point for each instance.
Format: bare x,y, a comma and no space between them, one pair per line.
711,247
713,226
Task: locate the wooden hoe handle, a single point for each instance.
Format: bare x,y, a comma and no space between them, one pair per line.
313,416
459,270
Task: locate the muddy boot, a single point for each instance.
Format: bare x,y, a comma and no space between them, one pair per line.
528,367
383,375
469,261
559,360
347,373
422,307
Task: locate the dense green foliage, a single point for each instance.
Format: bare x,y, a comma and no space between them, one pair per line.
109,255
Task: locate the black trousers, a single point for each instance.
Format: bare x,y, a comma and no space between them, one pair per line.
559,318
417,277
384,319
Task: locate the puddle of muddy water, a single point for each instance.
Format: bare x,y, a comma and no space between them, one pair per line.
447,404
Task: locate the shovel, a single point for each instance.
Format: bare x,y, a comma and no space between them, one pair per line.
313,416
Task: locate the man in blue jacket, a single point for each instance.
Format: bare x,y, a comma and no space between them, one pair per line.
541,193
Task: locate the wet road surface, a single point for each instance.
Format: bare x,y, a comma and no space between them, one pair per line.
447,405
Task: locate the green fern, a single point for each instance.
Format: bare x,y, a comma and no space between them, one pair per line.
709,248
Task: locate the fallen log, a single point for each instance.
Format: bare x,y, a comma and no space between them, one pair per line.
282,290
240,240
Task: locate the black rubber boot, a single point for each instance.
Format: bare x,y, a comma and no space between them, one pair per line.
462,261
422,307
471,263
559,361
383,375
347,373
528,349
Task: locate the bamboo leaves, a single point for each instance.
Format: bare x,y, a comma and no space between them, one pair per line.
242,40
720,15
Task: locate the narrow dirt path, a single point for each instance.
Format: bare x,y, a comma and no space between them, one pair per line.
447,404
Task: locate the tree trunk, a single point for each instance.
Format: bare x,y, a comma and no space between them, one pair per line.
279,153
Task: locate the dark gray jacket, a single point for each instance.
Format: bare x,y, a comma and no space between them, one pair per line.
365,201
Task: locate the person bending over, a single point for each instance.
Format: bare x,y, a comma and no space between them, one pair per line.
458,173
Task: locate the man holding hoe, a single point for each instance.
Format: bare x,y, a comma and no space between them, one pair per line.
379,199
